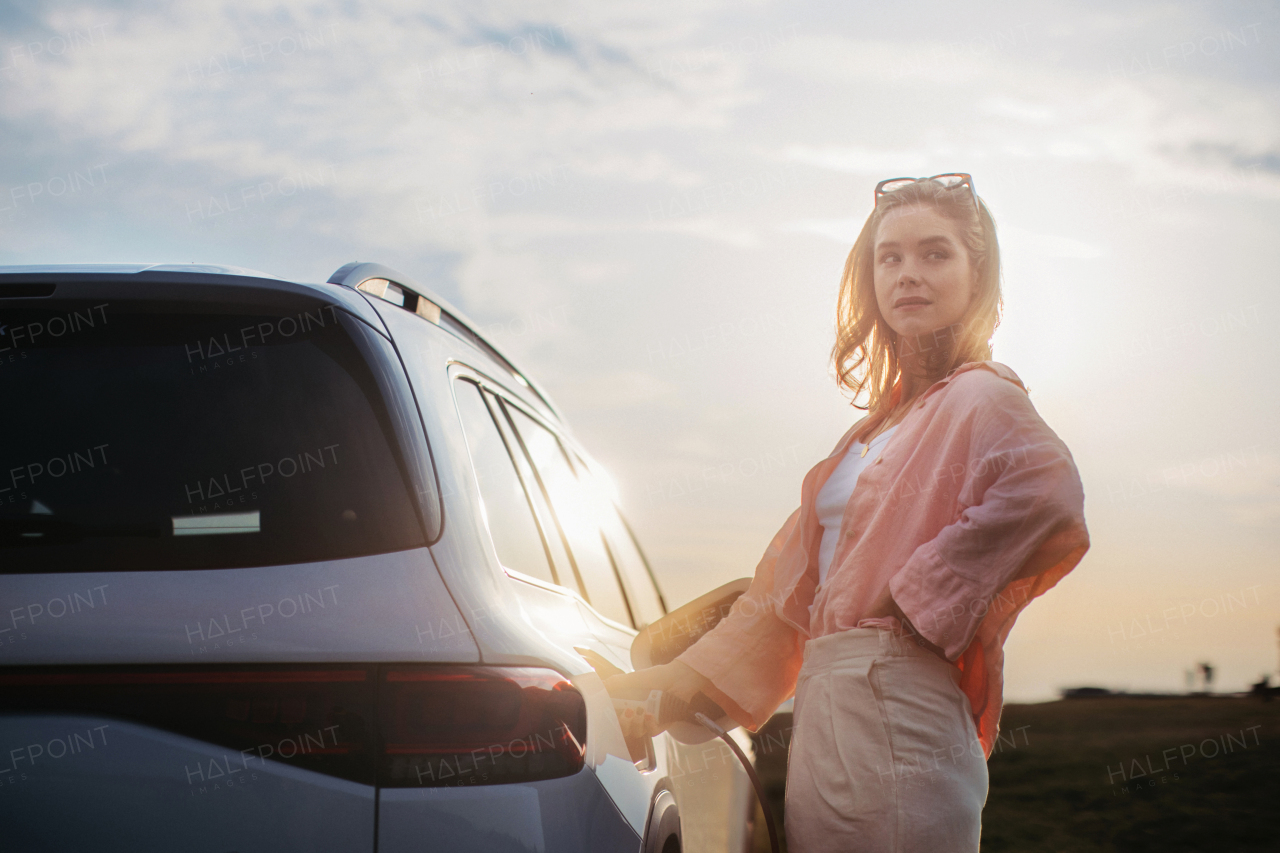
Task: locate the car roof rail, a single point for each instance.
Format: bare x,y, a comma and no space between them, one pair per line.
400,290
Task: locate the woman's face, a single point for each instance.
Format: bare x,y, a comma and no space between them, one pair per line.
923,276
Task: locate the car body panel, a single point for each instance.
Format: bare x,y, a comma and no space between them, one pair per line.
89,783
463,553
568,815
386,607
513,620
705,779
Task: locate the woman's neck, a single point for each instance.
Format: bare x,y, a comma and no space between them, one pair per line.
924,359
921,360
913,385
918,369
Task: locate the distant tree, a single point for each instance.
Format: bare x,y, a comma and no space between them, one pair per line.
1206,673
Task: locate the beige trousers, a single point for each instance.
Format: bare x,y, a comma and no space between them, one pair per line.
884,756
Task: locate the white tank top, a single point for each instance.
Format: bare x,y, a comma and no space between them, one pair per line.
834,495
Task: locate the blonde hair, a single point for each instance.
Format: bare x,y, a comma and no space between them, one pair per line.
867,351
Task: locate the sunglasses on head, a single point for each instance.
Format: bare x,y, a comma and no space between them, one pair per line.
949,181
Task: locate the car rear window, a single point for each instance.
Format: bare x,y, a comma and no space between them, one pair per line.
171,435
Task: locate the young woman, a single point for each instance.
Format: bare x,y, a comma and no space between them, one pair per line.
885,599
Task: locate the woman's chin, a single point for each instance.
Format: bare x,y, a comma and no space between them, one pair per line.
914,328
917,327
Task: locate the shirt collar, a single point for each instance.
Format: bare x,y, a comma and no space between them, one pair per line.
1002,370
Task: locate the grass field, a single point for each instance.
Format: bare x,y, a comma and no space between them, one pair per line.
1117,774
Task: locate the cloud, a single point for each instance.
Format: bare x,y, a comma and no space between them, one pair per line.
843,231
624,389
1245,480
1174,128
861,161
1047,245
1024,111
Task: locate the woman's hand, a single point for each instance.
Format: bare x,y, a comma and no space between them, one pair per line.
909,630
886,606
676,677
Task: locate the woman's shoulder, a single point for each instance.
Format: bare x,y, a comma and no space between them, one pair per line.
980,382
991,397
987,393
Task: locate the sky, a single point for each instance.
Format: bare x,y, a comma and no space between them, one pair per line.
648,205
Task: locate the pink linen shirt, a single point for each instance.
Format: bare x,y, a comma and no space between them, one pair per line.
973,509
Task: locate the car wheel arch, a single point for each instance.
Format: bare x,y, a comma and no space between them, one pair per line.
664,824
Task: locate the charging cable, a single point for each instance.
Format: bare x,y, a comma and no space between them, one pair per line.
665,708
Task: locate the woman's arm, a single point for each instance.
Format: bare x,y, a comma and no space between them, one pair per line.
1023,512
747,664
886,606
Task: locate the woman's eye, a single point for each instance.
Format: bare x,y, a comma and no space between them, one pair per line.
937,256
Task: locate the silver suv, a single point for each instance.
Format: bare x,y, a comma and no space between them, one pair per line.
306,567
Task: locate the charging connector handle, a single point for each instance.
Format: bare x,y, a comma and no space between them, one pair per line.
666,708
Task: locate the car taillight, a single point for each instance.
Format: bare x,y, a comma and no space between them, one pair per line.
478,726
435,725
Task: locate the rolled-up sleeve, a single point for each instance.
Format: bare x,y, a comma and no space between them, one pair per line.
752,657
1022,514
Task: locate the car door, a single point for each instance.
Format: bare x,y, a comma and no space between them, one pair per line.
710,786
572,565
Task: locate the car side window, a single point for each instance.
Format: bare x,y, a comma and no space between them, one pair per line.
646,603
551,536
642,593
504,504
578,517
